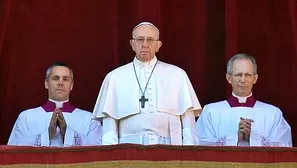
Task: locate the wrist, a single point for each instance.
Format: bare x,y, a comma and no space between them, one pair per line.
243,143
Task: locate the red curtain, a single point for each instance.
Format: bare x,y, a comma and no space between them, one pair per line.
93,37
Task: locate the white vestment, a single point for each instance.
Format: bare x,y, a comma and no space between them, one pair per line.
168,116
218,125
31,129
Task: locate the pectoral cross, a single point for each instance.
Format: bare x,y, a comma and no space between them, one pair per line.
143,100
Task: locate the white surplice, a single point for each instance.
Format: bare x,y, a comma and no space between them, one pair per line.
168,116
31,129
218,125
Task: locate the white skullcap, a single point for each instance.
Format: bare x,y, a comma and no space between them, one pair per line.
145,23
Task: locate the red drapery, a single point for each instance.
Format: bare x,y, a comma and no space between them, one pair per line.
164,156
93,37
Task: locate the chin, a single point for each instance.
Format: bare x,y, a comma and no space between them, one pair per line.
145,58
60,99
244,94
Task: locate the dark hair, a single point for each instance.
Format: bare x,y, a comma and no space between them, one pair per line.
49,69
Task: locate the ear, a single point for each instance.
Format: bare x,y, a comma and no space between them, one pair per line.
228,77
46,83
132,44
159,44
71,85
255,78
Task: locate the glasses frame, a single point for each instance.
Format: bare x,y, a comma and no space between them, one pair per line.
140,40
240,75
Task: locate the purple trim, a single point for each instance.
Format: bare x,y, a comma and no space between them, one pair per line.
51,106
233,102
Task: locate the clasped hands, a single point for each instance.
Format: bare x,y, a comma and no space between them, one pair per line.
244,129
57,120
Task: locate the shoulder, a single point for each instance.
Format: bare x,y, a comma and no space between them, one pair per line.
118,72
174,70
215,105
268,107
265,105
31,112
82,113
121,68
170,67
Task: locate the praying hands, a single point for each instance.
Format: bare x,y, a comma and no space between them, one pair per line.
57,120
244,129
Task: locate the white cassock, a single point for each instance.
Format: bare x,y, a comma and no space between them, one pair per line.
168,117
218,125
31,129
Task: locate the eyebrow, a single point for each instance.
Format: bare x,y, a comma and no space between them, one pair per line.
55,76
243,73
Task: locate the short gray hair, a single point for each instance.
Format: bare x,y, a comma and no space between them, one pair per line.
49,69
145,23
241,56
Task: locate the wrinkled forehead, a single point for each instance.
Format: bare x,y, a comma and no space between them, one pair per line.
145,29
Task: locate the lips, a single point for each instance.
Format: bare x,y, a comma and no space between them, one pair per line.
243,87
59,90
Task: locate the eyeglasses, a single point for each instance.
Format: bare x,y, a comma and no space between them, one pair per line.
240,75
149,40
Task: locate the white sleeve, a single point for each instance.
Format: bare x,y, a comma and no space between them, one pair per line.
207,133
280,134
21,135
110,134
189,131
93,136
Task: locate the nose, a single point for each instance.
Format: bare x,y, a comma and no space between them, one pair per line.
145,43
242,78
60,83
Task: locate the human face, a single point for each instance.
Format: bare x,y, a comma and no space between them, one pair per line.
242,78
145,50
59,84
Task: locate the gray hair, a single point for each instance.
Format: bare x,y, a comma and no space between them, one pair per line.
145,23
49,69
241,56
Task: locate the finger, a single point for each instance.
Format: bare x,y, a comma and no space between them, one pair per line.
248,123
54,117
61,116
57,110
245,123
59,120
244,131
241,122
244,127
241,118
247,119
250,120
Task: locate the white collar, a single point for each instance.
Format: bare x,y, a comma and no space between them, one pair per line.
242,99
149,64
59,104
